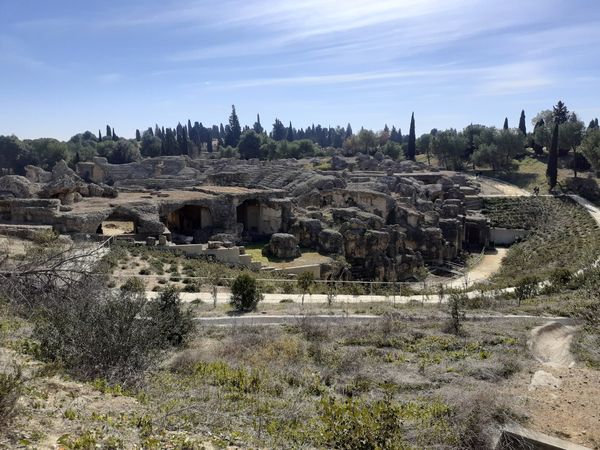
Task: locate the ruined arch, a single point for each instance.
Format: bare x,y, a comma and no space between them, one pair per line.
118,223
248,214
189,219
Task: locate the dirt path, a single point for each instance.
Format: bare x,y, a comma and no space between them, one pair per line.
490,186
488,265
551,344
560,399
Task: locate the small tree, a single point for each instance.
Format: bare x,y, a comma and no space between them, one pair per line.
214,278
526,287
552,168
173,322
455,309
245,293
306,280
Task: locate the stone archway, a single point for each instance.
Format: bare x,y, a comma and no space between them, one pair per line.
189,219
117,224
248,214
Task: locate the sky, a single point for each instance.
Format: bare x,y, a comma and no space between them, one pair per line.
67,66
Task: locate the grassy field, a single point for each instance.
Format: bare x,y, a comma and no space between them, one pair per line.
379,385
563,236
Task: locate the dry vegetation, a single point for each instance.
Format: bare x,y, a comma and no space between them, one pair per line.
563,236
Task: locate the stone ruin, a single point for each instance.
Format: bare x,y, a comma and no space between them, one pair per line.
379,219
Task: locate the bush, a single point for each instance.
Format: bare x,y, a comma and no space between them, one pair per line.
455,306
245,293
560,278
98,333
170,320
10,391
355,425
527,287
133,284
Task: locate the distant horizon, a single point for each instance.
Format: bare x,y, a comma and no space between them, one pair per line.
67,68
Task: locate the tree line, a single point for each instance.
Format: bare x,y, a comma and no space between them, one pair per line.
476,145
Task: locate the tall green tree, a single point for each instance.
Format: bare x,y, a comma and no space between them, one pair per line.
279,132
411,150
289,135
552,167
235,130
560,113
505,126
522,125
249,146
257,127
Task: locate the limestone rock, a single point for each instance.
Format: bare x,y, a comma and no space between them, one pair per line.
17,187
37,174
282,245
331,242
307,231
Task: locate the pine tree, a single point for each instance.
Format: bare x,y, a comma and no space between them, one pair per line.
560,113
348,131
289,135
257,127
552,168
522,125
505,126
411,150
394,134
279,132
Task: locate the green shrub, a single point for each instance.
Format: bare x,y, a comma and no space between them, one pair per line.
356,425
134,284
99,333
169,319
527,287
245,293
560,278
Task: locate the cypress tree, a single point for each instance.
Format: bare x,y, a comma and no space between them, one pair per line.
114,135
505,126
235,130
348,131
522,125
108,132
411,150
138,136
99,136
257,126
289,135
552,168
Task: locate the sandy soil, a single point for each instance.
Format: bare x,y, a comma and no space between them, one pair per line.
490,186
488,265
560,399
116,228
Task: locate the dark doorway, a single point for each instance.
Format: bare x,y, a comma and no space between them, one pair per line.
189,219
248,214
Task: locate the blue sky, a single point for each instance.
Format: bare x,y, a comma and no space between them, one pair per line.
69,65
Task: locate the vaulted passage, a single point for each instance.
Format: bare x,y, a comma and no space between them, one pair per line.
117,224
189,219
248,214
